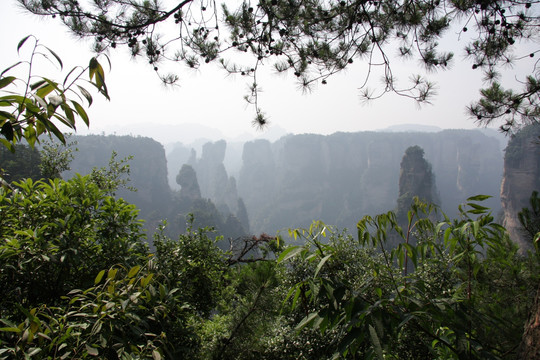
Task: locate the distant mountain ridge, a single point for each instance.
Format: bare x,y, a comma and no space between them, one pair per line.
341,177
289,182
411,128
185,133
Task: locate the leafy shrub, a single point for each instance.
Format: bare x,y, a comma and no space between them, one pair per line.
57,235
444,297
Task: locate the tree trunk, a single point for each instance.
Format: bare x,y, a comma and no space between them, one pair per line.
530,344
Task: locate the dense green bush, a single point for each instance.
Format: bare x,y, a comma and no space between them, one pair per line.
78,281
58,235
445,297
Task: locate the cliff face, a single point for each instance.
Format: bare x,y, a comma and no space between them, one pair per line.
257,176
340,178
154,198
521,178
148,170
300,178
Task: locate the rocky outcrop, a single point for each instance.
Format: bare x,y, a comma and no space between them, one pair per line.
189,186
177,155
257,179
521,178
337,178
242,215
415,180
210,194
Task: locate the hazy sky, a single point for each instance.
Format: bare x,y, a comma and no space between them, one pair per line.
211,98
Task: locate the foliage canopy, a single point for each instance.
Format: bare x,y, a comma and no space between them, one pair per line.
78,281
316,39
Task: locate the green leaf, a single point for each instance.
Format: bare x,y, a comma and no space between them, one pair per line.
67,76
297,294
447,233
376,343
99,277
92,66
69,114
21,43
91,351
64,120
476,228
102,90
8,145
134,270
26,336
45,90
42,335
478,207
56,56
11,329
9,68
30,135
476,212
97,327
321,264
411,253
86,94
7,131
52,128
356,334
40,101
33,351
146,280
112,273
96,72
82,113
296,290
289,253
6,81
478,198
307,320
37,84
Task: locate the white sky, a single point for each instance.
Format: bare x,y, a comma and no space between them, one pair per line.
210,98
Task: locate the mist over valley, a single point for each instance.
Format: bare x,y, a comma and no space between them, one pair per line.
291,181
